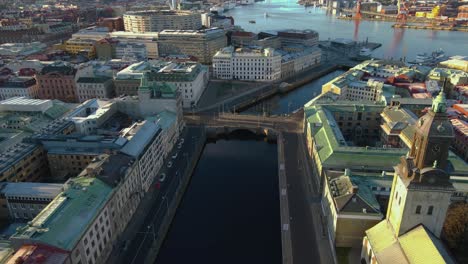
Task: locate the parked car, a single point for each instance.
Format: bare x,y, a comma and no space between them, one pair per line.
169,164
175,155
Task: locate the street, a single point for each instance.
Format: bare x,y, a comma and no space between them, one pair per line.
154,206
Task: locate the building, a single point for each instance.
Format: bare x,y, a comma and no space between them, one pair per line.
397,127
31,254
149,39
112,23
460,143
21,49
93,33
105,49
128,80
307,38
353,203
200,44
79,46
90,115
159,20
297,59
23,162
24,200
99,87
57,81
243,38
77,221
190,78
419,200
263,65
131,51
19,87
347,135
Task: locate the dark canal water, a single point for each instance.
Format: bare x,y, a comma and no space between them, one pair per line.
293,100
396,42
230,212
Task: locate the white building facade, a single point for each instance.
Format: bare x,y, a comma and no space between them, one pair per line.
19,86
247,65
94,87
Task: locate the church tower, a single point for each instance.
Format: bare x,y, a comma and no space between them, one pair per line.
421,188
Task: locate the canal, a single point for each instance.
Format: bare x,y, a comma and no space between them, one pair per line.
230,212
396,43
287,103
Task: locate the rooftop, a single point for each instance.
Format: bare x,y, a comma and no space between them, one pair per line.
139,135
62,223
34,254
28,189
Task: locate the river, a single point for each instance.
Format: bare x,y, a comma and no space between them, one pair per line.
230,212
396,43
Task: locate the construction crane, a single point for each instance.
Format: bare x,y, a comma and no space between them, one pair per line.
358,14
402,11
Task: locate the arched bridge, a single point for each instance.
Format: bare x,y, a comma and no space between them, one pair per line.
225,123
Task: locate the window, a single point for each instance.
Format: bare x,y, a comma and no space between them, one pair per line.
430,209
418,209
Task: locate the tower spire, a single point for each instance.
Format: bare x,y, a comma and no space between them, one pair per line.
439,104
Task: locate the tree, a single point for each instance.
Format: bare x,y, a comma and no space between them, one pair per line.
455,230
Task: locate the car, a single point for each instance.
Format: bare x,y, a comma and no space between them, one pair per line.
179,146
182,140
175,155
169,164
162,177
125,245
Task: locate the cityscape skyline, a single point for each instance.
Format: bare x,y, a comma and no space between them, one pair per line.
233,131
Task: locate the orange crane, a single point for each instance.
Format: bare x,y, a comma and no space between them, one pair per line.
402,11
358,14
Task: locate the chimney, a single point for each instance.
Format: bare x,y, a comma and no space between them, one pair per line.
355,188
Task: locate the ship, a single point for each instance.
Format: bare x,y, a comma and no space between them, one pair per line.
434,57
218,9
252,21
365,52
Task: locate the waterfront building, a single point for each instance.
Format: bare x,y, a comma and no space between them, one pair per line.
57,81
448,79
190,78
159,20
99,87
19,87
15,50
460,143
131,51
346,135
77,221
307,38
296,59
243,38
419,200
262,65
456,62
149,39
200,44
24,200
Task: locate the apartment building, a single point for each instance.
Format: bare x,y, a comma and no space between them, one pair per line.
307,37
149,39
131,51
159,20
19,86
262,65
57,81
200,44
24,200
190,78
99,87
23,162
85,47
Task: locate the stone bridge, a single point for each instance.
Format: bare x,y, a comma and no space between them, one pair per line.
217,124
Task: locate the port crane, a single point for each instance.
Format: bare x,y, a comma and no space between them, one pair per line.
403,10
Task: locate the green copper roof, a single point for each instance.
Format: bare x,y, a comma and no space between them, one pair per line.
439,105
63,222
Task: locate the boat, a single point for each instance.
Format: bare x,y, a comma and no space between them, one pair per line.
428,58
266,15
229,5
365,52
218,9
252,21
